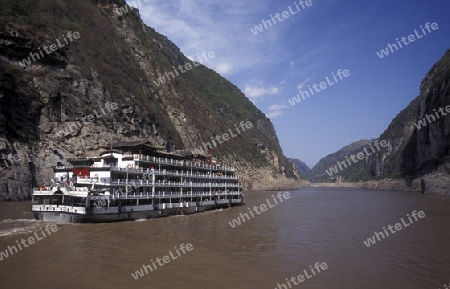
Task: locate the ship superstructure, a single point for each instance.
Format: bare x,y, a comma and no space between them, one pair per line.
135,181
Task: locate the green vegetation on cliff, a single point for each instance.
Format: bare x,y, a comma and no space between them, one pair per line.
116,59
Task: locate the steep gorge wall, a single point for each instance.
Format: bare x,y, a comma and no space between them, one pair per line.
423,153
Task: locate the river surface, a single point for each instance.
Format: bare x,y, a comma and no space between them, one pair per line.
325,225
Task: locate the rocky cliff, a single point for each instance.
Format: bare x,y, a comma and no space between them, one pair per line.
303,168
75,77
419,136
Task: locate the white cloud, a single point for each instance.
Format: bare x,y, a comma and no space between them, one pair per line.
276,110
301,85
256,91
223,68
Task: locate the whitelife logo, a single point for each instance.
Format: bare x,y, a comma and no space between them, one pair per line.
430,117
360,156
75,126
37,56
184,248
225,137
371,241
323,85
12,160
411,38
285,14
301,278
31,240
236,222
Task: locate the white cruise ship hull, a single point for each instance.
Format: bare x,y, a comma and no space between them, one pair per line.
101,215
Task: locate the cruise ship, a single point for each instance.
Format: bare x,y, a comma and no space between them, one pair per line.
135,180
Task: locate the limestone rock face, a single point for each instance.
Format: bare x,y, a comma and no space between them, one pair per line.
435,184
419,136
103,88
432,141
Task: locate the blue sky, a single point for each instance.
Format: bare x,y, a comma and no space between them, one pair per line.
305,48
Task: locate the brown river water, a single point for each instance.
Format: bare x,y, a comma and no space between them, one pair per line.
325,225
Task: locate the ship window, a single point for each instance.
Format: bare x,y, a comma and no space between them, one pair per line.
131,202
145,201
113,203
37,200
78,201
55,200
74,201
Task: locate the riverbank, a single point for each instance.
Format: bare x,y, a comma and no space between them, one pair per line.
431,184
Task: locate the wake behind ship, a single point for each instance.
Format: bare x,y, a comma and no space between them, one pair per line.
135,181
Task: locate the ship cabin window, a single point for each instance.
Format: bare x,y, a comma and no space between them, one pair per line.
47,200
145,201
74,201
38,200
110,162
113,203
129,202
54,200
82,164
96,203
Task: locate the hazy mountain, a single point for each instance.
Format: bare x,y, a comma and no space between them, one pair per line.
303,168
321,172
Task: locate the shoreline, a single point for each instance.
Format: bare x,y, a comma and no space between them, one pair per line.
430,184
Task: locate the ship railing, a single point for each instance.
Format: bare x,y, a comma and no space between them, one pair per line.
59,208
159,183
100,166
171,195
92,180
191,175
197,164
175,173
115,194
131,170
186,184
131,182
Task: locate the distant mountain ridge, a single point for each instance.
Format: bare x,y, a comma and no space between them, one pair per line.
354,172
303,168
